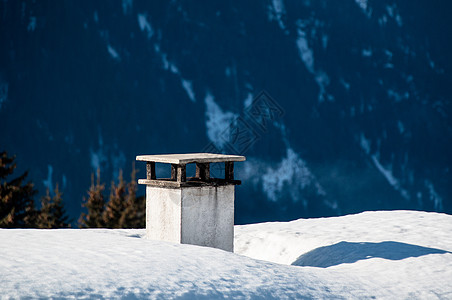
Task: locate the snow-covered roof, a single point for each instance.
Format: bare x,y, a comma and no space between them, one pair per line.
387,254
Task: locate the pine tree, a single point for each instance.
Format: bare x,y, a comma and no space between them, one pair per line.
44,217
116,207
135,213
123,210
95,205
52,213
17,207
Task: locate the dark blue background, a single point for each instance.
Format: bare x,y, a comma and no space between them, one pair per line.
364,87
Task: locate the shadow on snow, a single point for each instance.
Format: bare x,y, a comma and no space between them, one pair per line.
345,252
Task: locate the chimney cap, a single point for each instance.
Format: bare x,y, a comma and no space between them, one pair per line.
187,158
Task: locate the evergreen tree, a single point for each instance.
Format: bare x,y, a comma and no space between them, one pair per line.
52,213
135,213
116,207
17,207
123,210
95,205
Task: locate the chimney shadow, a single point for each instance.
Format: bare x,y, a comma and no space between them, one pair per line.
346,252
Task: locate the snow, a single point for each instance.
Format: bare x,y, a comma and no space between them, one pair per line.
434,197
385,171
306,55
323,81
392,12
218,122
167,65
291,171
365,143
144,24
248,101
406,254
48,183
97,158
384,255
364,7
188,87
388,174
276,12
392,94
289,178
366,52
113,53
362,4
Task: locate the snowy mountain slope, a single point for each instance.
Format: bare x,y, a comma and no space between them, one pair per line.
400,254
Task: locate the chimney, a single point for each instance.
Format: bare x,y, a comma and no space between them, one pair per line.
197,210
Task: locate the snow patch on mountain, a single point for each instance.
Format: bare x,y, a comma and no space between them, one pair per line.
398,96
166,64
365,143
392,11
48,183
107,157
323,81
366,52
306,54
290,177
307,57
145,25
276,11
291,173
387,172
363,4
113,53
171,67
248,100
187,85
218,122
434,197
98,158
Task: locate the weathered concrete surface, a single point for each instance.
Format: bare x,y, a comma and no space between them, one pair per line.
208,216
190,158
163,214
201,216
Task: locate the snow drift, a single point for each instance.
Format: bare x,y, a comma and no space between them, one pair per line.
391,254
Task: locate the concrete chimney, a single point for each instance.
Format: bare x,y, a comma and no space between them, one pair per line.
197,210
